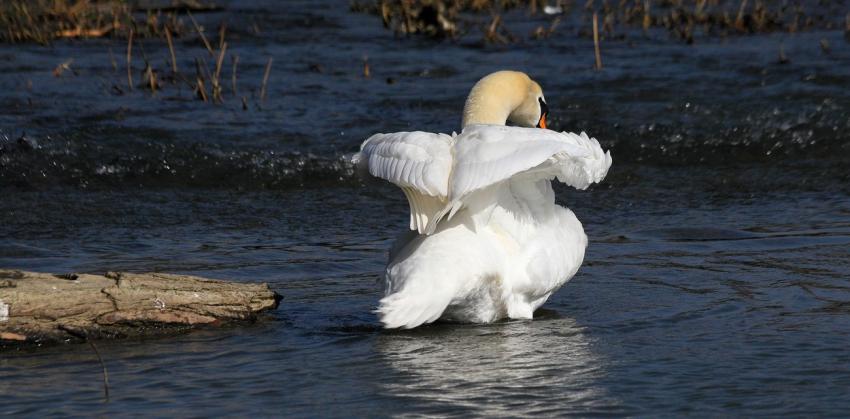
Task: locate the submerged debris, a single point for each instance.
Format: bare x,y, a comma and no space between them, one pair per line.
783,59
64,66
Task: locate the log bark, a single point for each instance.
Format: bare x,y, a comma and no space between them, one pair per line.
43,308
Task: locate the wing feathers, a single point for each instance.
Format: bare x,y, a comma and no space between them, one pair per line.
436,171
581,171
486,155
423,209
418,162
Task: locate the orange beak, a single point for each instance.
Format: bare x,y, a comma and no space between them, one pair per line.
542,123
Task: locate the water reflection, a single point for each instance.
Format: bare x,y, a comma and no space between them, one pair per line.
544,366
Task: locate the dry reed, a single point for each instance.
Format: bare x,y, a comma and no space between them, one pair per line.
681,18
171,51
130,60
235,61
265,80
598,65
200,31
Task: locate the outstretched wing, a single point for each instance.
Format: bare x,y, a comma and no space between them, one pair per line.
418,162
437,171
486,155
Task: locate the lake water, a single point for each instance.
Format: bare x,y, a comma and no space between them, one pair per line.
715,281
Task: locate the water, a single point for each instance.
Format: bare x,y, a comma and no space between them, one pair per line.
715,281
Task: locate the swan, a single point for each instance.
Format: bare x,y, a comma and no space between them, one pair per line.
486,239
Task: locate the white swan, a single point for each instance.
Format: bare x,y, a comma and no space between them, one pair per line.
487,240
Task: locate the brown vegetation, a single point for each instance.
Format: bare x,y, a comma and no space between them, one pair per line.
681,18
43,21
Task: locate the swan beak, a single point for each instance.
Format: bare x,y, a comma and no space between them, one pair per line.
542,123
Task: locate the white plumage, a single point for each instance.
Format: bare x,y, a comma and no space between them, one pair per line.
488,241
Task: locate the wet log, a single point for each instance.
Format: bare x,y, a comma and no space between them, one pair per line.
44,308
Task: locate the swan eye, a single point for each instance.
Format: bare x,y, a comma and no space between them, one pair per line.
544,111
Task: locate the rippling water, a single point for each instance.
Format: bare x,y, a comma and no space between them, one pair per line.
715,282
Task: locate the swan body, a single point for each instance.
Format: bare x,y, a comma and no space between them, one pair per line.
486,239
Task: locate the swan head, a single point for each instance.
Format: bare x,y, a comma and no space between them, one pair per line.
506,96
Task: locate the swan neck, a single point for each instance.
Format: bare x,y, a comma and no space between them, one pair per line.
492,102
486,113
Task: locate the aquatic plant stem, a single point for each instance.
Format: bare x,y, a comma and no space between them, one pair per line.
200,88
130,60
171,50
598,65
216,79
265,80
103,367
739,20
201,33
235,59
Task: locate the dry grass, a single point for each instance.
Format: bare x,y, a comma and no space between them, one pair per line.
43,21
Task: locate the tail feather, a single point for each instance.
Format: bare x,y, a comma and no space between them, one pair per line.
407,309
426,276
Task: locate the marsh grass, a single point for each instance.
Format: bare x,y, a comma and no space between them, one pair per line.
44,21
682,19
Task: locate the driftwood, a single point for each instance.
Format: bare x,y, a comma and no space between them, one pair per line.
41,308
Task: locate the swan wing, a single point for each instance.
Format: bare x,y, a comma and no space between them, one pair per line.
485,155
488,154
418,162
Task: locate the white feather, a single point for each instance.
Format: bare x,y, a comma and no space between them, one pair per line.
451,168
418,162
522,246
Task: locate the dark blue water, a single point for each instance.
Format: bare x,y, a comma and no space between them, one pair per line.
715,282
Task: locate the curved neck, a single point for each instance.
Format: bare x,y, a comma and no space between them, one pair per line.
486,110
491,101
